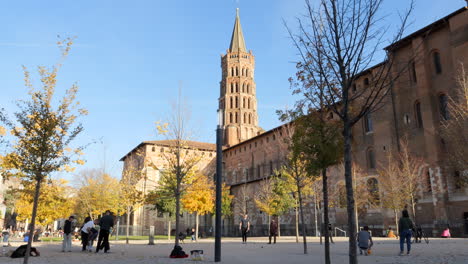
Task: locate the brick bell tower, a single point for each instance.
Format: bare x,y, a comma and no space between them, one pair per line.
237,90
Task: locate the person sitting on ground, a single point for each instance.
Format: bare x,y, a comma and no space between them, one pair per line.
364,239
21,252
446,233
390,233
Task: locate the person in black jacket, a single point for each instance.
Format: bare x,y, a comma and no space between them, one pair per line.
67,234
106,223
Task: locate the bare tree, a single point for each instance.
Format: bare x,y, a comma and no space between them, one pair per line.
337,42
181,158
455,128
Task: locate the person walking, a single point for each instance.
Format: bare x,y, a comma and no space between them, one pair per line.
106,223
244,227
364,240
273,231
85,231
405,225
67,234
330,234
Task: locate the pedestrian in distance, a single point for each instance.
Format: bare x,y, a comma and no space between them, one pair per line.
67,234
106,223
405,226
85,231
244,227
364,240
446,233
330,234
273,231
193,234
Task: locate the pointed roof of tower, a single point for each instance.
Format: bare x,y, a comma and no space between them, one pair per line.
237,39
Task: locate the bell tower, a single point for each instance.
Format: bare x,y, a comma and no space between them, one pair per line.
237,90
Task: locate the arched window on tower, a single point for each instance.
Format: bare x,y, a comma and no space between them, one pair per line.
237,71
243,87
368,123
243,102
232,71
250,119
247,72
248,88
243,71
231,105
232,87
248,103
230,117
237,117
245,119
237,87
237,102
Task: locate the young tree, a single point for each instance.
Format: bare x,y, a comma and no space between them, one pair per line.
295,177
391,182
42,130
97,192
242,201
54,202
274,197
131,197
199,198
337,41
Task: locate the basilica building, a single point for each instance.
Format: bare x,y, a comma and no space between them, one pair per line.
414,110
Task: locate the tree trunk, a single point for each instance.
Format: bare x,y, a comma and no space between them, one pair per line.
349,191
315,213
396,222
279,229
33,218
269,221
297,224
325,216
177,219
196,225
128,225
413,208
169,229
302,219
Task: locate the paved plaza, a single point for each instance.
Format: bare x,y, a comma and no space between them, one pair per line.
385,251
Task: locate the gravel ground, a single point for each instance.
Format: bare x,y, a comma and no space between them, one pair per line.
385,251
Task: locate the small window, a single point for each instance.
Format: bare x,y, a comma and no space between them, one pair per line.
267,139
437,64
406,119
413,72
274,137
153,149
370,158
368,123
366,82
162,149
417,111
354,87
443,106
457,180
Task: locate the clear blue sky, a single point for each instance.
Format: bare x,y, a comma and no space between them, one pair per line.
129,57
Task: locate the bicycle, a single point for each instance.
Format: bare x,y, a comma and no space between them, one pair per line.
423,235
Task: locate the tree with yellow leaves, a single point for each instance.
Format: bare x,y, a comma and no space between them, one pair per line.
131,198
97,192
55,202
199,198
42,129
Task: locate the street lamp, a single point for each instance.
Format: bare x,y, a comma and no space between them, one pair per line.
219,171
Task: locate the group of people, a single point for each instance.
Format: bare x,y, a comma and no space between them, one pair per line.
91,230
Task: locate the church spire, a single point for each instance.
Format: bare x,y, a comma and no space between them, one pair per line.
237,39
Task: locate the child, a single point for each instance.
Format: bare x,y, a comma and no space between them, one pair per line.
364,239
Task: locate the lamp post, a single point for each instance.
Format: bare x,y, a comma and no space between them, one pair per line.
219,171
